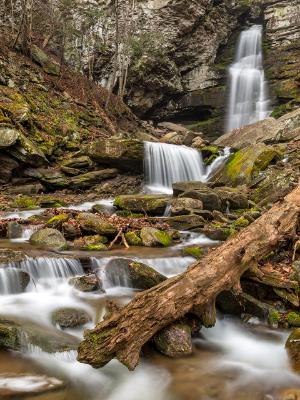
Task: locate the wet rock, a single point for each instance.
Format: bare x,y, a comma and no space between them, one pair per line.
92,223
152,237
185,222
86,283
8,137
126,154
19,386
78,162
246,164
49,238
41,58
8,256
14,230
8,165
71,230
183,206
10,337
174,340
210,199
137,275
293,349
150,204
92,178
70,317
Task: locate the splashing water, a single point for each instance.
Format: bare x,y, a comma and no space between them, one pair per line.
248,102
165,164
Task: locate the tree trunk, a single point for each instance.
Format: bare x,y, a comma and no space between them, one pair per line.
123,334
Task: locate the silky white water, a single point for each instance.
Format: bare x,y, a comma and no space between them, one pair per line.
248,99
165,164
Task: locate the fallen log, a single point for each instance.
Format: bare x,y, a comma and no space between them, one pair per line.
123,335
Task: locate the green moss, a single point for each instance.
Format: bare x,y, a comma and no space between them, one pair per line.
94,247
274,317
241,222
193,251
164,238
133,239
129,214
22,201
293,319
58,218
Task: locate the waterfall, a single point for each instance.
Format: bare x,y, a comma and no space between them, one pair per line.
165,164
10,281
248,102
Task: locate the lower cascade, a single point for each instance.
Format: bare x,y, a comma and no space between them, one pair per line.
248,102
165,164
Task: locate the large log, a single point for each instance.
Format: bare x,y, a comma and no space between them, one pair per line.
123,334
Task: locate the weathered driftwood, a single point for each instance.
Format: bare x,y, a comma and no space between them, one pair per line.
123,335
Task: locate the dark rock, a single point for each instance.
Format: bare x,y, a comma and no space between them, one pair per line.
210,200
8,165
86,283
71,230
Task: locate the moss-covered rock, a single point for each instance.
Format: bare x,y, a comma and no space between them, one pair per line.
25,202
86,283
193,251
57,221
78,162
151,204
70,317
293,348
138,275
185,222
133,239
152,237
174,341
293,319
91,243
10,337
49,238
246,164
92,223
41,58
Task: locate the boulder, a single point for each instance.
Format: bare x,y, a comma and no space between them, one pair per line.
41,58
126,154
52,178
57,221
91,243
49,238
181,187
185,205
210,200
70,229
14,230
246,164
8,165
8,137
27,151
78,162
150,204
138,275
172,138
174,341
185,222
91,223
232,198
293,349
133,239
10,337
86,283
70,317
92,178
152,237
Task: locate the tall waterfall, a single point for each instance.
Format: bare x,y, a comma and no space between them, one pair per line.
248,102
165,164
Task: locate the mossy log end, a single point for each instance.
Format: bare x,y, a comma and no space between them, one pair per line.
123,335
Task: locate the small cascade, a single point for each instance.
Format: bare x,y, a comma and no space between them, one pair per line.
248,101
10,281
50,268
112,275
168,266
165,164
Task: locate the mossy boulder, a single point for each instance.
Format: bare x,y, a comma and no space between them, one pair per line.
138,275
193,251
41,58
133,239
57,221
152,237
150,204
185,222
71,230
86,283
49,238
91,223
174,341
246,164
293,319
209,198
8,137
293,349
70,317
91,243
125,154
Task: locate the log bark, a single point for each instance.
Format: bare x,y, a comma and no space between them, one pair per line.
123,335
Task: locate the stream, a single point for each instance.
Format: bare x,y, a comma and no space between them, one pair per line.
231,360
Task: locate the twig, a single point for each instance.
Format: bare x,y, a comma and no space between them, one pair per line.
125,241
115,239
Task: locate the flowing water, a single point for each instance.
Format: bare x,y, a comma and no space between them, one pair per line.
248,99
165,164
